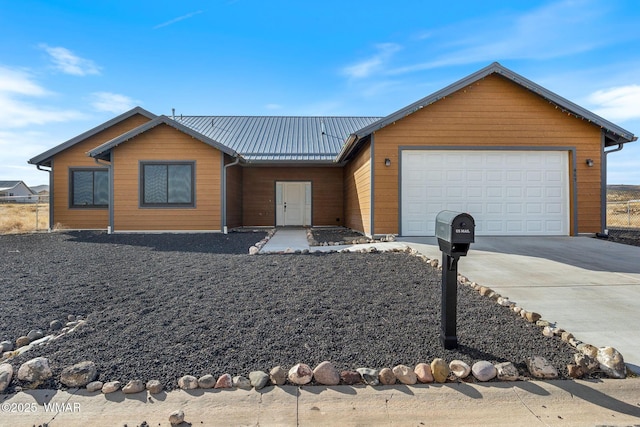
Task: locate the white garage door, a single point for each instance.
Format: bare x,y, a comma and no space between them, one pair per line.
507,192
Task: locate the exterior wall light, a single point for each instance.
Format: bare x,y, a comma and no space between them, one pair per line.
387,162
589,162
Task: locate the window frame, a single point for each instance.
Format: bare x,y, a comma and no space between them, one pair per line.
72,204
167,205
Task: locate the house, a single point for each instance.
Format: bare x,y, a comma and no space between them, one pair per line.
16,192
519,158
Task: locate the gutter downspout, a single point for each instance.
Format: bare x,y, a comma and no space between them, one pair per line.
603,226
39,167
108,165
224,191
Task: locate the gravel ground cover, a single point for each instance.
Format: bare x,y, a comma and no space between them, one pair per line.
334,234
163,306
625,235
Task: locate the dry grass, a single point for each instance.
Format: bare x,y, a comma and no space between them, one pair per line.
21,217
621,212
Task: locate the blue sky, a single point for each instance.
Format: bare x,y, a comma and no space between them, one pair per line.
67,66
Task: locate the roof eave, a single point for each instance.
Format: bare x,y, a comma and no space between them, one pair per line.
103,151
44,159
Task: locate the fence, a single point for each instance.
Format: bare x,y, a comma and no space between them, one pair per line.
24,213
625,214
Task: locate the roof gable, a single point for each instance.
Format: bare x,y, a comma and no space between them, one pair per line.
44,159
103,151
614,134
10,185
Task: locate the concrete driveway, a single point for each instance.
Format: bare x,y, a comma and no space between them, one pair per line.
589,287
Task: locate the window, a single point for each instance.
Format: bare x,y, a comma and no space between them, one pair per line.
167,184
89,188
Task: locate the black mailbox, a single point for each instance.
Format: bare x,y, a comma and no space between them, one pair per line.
455,232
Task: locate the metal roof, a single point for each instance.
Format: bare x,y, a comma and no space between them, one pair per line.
278,138
9,185
44,159
613,134
103,151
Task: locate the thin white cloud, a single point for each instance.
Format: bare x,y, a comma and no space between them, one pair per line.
617,103
69,63
112,102
554,30
273,107
374,64
19,82
16,87
178,19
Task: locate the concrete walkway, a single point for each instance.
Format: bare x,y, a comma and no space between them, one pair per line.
287,239
545,403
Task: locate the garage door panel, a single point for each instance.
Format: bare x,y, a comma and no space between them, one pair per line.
507,192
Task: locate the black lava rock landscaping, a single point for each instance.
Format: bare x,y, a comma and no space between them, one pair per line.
163,306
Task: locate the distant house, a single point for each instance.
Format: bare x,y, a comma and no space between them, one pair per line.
16,192
519,158
41,190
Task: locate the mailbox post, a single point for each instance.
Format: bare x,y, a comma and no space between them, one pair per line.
455,232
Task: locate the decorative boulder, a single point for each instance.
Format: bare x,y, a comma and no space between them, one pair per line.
369,376
154,386
387,377
188,382
133,386
300,374
440,370
539,367
484,371
79,375
459,368
278,375
258,379
350,377
176,417
206,381
224,381
326,374
94,386
611,362
507,371
405,375
6,374
423,373
110,387
35,371
241,382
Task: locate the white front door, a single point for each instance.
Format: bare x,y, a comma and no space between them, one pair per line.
293,203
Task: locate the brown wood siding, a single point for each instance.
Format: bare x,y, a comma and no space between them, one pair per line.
164,143
259,183
234,194
76,157
491,112
357,191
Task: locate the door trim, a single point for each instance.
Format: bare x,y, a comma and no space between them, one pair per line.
307,203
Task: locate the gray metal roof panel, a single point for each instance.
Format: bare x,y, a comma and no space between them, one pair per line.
279,138
45,158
